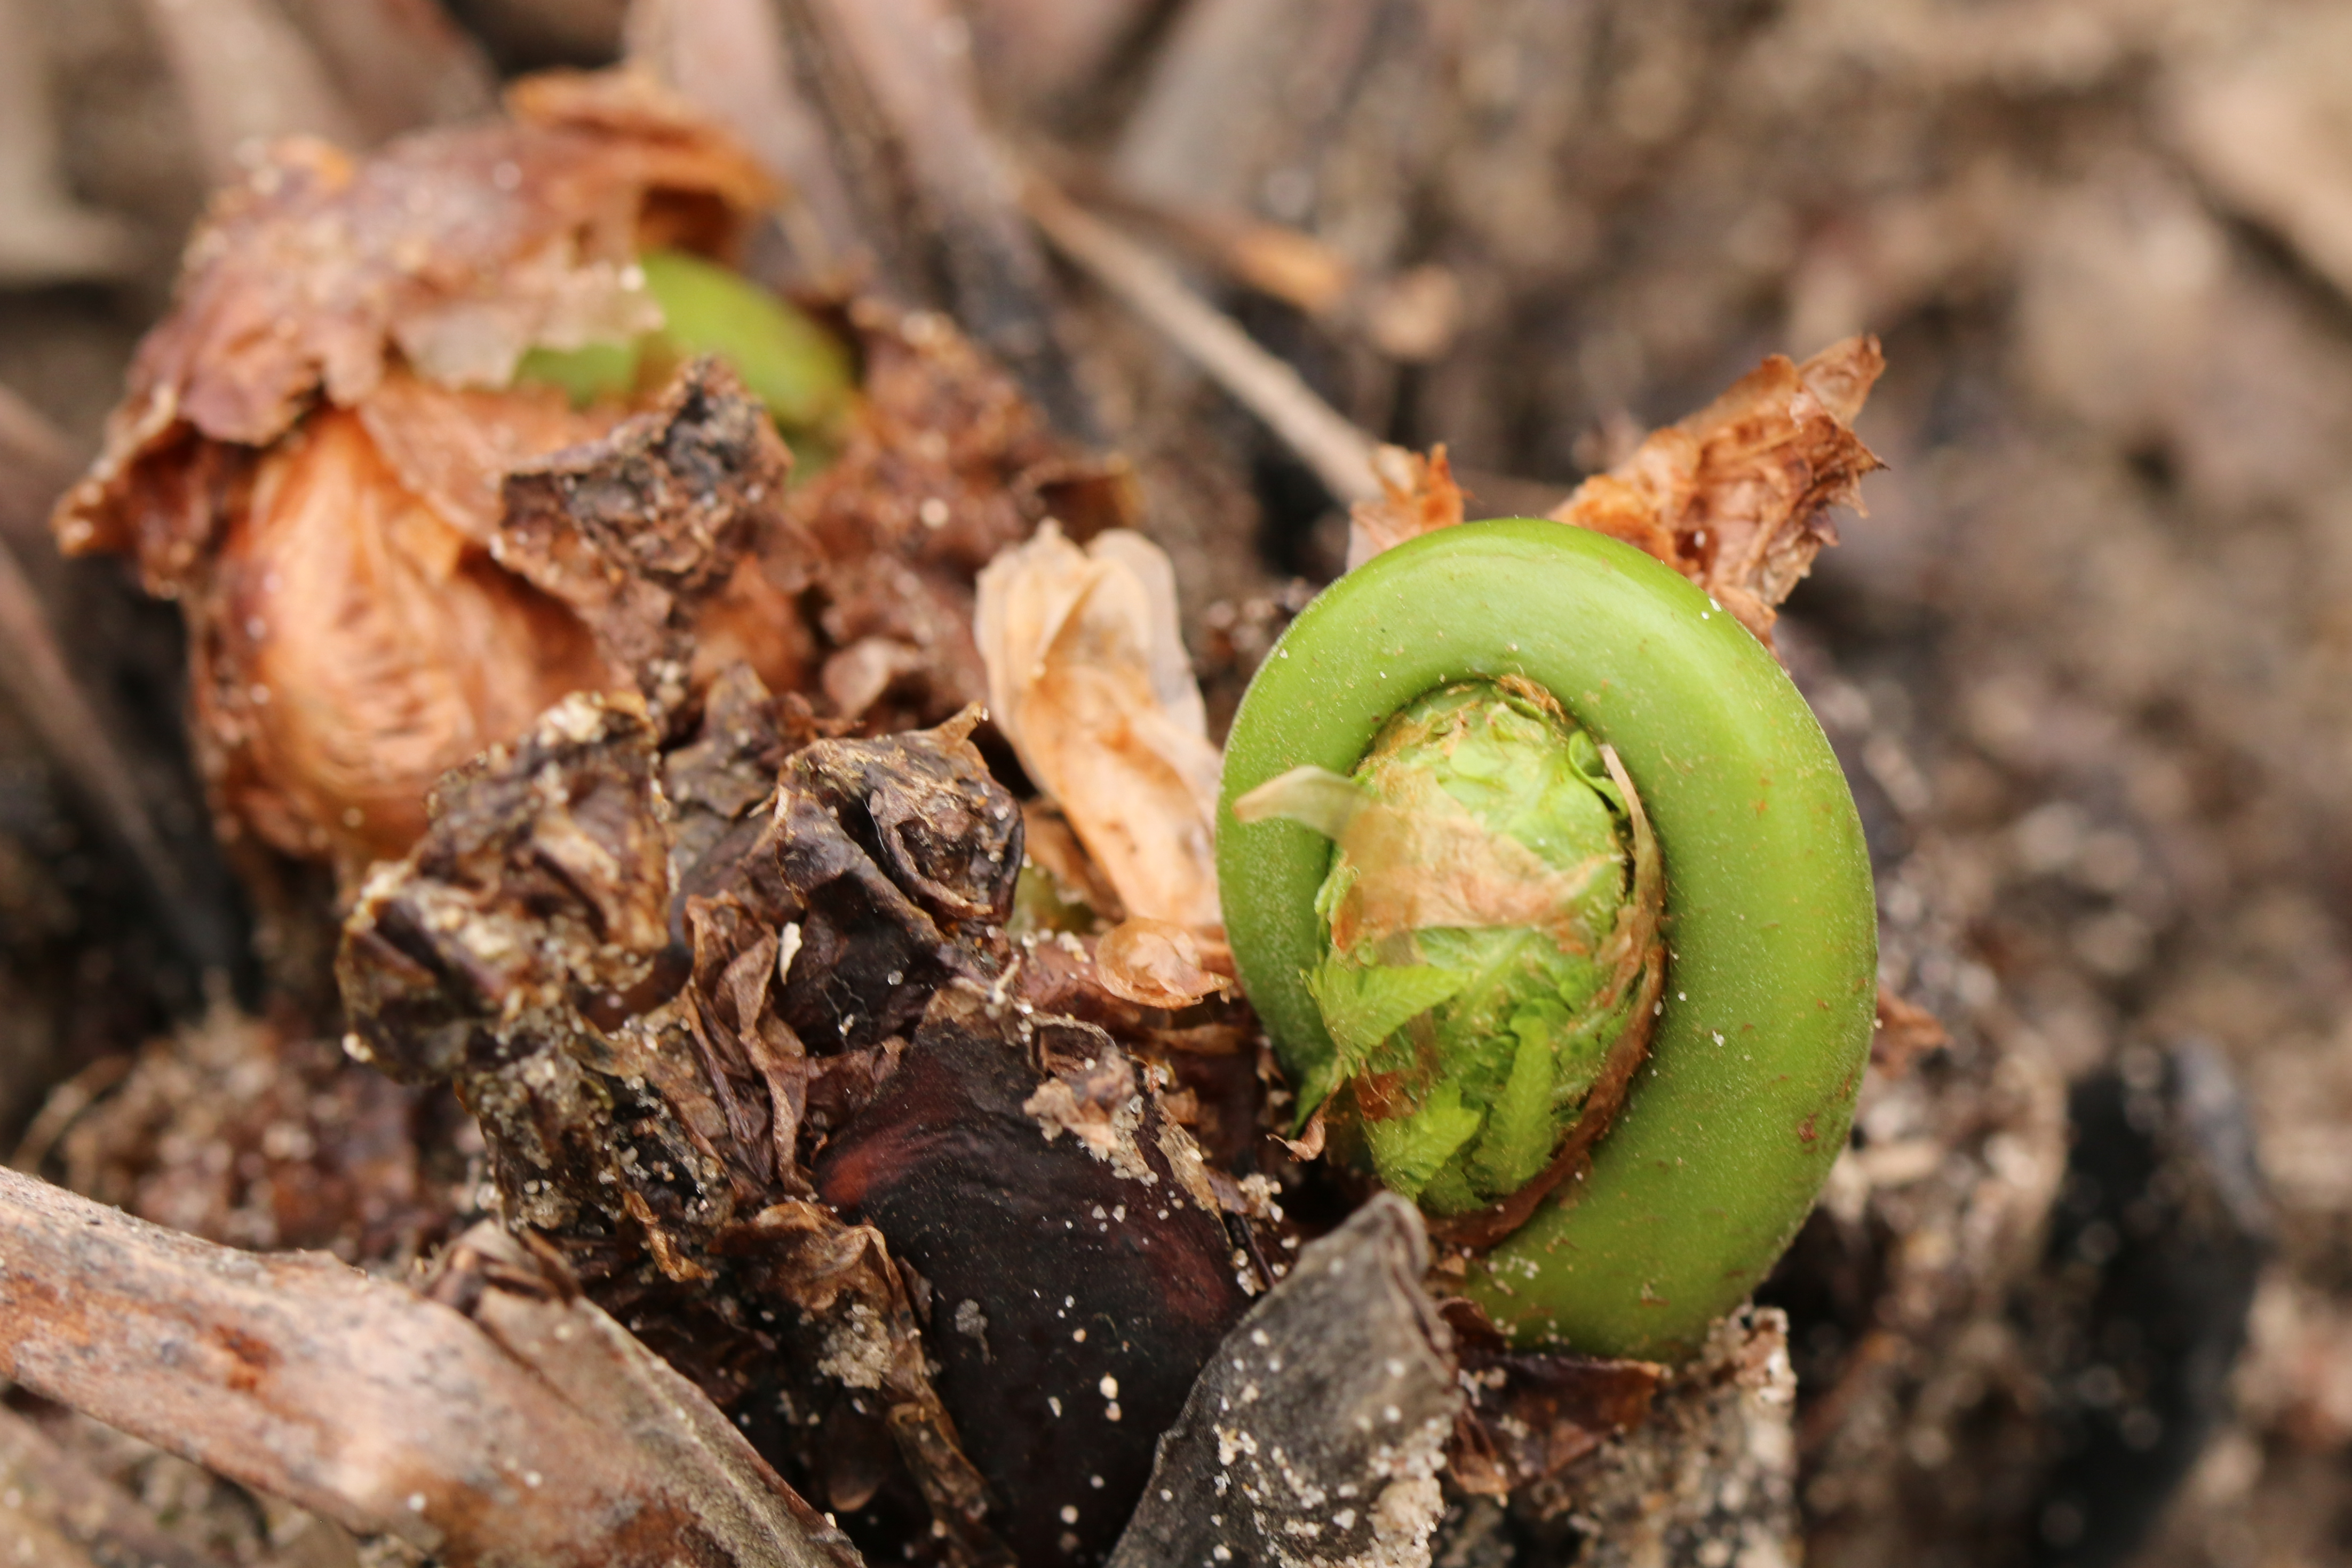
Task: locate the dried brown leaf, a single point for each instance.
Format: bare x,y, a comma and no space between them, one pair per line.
1532,1414
944,464
1735,496
634,532
1089,680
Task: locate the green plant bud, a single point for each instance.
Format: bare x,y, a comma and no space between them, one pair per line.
1484,935
786,359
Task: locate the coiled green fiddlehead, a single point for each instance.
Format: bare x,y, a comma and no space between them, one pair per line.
1577,717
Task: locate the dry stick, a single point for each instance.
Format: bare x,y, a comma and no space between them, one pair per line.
34,674
1339,454
36,677
940,194
515,1424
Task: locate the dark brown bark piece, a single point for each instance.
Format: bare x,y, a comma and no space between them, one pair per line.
1319,1427
504,1421
1080,1269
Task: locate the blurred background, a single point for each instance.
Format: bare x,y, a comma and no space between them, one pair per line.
2081,1291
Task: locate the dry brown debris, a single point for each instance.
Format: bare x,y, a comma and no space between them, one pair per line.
1089,678
1417,494
254,1133
1735,497
675,1059
945,464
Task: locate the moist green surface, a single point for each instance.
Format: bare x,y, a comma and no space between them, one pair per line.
1770,923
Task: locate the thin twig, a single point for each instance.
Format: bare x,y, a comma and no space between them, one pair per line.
76,729
35,675
504,1419
1323,438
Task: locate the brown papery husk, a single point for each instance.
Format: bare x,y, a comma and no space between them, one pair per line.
353,645
1735,497
370,622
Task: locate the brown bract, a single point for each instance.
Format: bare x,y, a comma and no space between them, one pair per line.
1735,497
1089,680
1417,494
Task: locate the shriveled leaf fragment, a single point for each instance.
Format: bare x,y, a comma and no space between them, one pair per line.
1533,1414
1089,680
636,533
1735,497
1161,965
